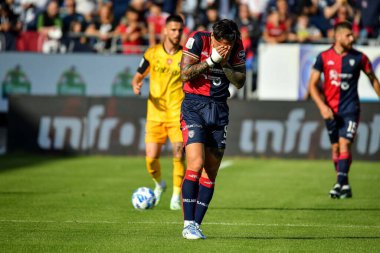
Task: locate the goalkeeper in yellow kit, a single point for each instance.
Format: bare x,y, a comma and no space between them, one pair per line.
164,106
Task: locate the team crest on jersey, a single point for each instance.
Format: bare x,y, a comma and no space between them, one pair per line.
169,61
241,54
191,134
216,81
352,62
190,43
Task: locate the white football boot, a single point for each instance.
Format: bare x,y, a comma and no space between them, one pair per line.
160,188
175,203
191,232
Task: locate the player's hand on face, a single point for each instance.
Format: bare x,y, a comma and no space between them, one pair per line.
137,88
327,113
224,51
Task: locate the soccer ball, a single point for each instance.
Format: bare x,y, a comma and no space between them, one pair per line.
143,198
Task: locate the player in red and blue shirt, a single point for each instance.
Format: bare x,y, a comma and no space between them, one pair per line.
338,101
210,62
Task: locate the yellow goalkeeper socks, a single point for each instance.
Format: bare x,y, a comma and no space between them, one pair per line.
178,173
154,168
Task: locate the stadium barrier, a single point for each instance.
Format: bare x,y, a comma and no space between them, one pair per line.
116,126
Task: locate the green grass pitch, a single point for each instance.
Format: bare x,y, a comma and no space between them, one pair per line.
83,204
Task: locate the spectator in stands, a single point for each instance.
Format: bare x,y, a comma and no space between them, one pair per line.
368,13
257,8
323,14
318,18
141,7
29,12
49,26
131,31
156,23
331,7
304,32
87,8
250,32
297,7
119,8
101,29
171,7
192,10
344,13
49,21
275,30
247,44
212,17
70,14
303,7
15,7
226,8
245,20
284,14
10,26
78,43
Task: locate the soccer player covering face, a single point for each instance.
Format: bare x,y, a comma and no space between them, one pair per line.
210,62
165,97
338,102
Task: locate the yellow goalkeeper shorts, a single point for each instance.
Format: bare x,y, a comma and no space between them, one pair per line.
158,132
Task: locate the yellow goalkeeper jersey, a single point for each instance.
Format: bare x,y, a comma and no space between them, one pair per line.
165,89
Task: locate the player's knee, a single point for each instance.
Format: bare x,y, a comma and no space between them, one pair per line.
178,154
335,148
344,145
195,164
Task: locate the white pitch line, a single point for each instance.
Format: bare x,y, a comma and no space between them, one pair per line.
225,164
206,223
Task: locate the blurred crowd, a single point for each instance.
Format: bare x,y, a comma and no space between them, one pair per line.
129,26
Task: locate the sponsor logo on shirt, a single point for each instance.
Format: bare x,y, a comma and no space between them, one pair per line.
334,75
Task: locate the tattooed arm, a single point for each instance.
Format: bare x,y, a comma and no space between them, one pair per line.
191,67
236,75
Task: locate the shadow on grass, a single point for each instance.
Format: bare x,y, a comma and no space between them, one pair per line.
298,237
26,160
295,209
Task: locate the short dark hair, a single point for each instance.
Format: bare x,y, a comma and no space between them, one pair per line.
226,29
174,18
343,25
132,9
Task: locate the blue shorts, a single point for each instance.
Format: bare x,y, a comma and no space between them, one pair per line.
204,120
342,126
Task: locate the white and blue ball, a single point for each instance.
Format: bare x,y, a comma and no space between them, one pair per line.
143,198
